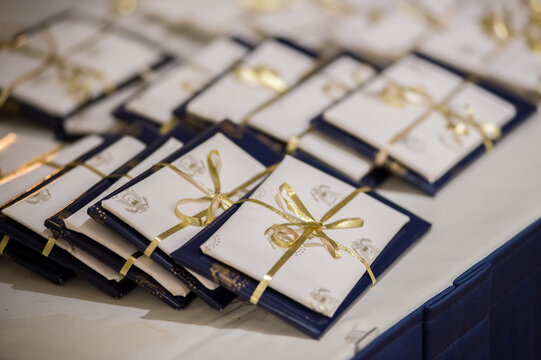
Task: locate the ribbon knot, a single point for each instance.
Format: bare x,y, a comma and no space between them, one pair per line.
76,78
264,76
287,236
214,197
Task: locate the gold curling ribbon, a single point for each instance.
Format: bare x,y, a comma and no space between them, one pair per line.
3,244
74,77
262,75
284,235
49,246
400,96
215,198
129,263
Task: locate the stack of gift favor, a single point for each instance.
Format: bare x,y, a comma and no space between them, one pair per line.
247,168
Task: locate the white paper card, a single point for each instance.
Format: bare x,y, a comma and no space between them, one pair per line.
156,197
13,186
312,276
430,148
335,154
33,210
232,98
158,101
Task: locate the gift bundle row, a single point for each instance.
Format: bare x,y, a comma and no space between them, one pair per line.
245,170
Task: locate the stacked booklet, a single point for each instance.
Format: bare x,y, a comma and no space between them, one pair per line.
249,167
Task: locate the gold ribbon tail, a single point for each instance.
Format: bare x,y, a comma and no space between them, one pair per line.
3,244
129,263
49,246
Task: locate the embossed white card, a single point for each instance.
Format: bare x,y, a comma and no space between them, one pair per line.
234,98
95,56
149,205
33,210
430,148
14,185
158,101
81,222
311,276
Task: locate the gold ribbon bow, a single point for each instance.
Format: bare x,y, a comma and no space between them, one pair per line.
400,96
215,198
75,78
264,76
499,27
284,235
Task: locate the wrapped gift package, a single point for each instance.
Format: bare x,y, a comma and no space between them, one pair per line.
143,211
423,121
288,118
270,70
311,287
498,43
70,61
22,219
169,93
74,225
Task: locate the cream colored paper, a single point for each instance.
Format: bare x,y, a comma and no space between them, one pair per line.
13,186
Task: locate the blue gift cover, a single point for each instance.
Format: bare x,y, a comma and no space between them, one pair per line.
523,108
54,121
219,297
30,239
102,253
310,322
34,261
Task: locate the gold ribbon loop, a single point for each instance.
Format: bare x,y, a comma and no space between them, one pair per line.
263,76
285,236
497,27
215,198
3,244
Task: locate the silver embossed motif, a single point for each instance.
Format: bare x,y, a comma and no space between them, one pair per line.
133,202
322,301
323,193
39,197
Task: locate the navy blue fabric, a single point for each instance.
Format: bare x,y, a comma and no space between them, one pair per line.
492,311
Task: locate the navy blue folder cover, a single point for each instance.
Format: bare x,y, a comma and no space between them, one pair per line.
220,297
523,107
302,318
102,253
54,121
39,264
36,242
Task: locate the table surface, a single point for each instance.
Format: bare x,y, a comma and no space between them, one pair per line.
475,214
